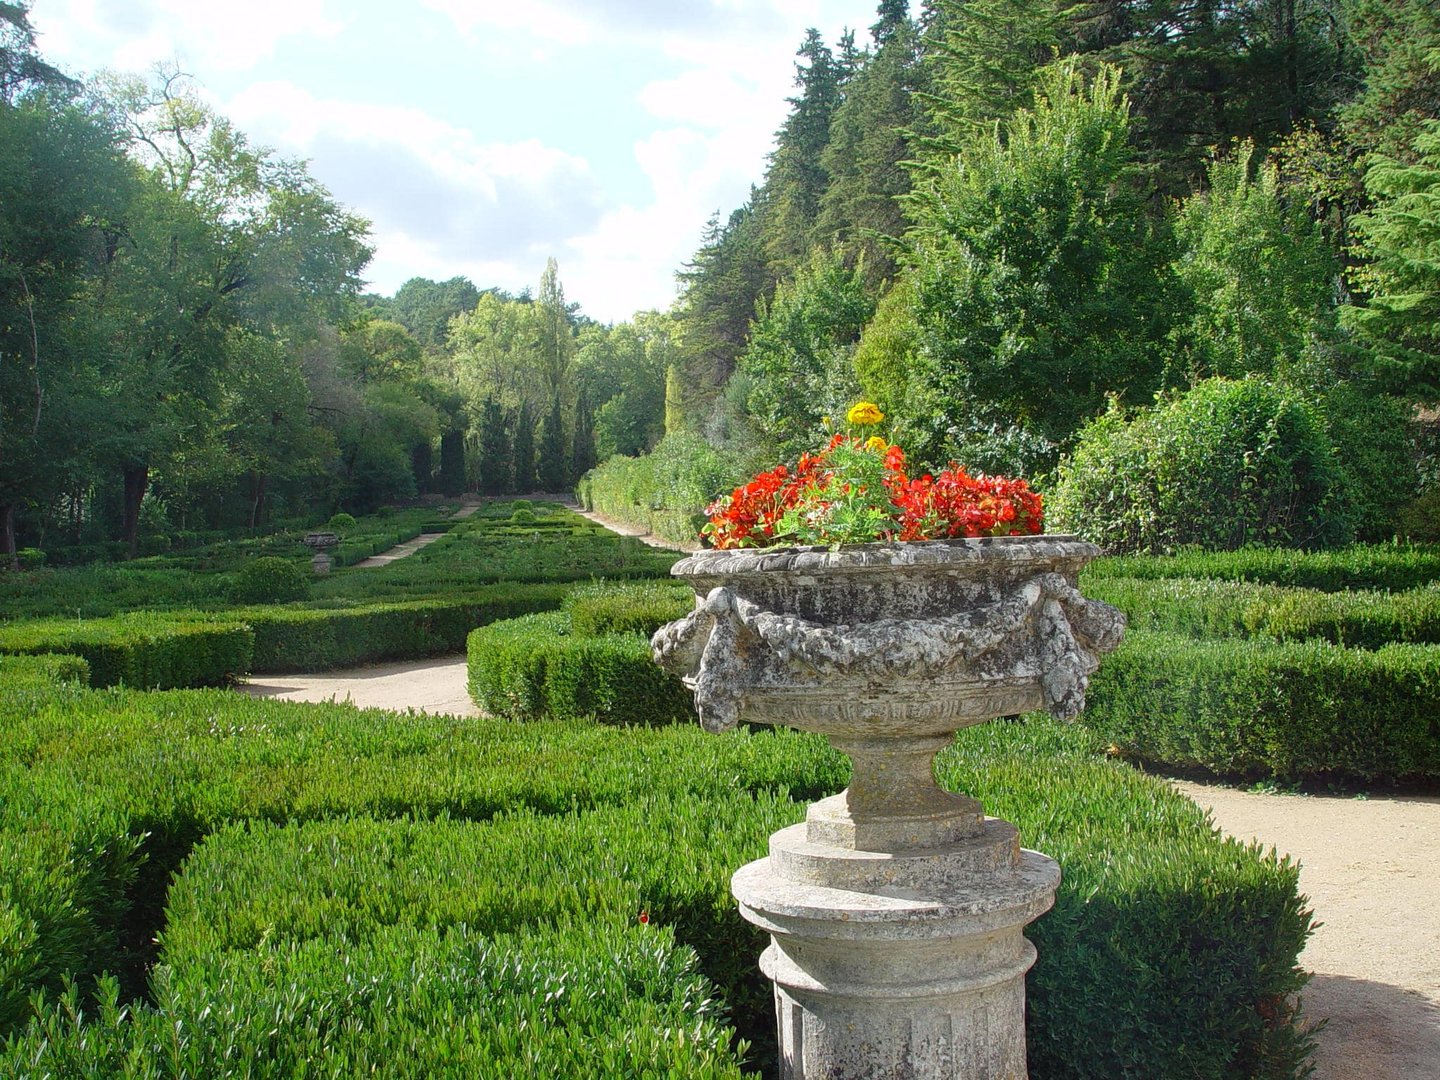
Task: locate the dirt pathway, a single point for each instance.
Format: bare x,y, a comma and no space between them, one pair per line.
433,686
1370,869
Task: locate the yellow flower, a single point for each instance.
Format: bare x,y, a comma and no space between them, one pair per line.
877,444
864,412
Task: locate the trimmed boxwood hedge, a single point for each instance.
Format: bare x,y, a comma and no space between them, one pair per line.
43,669
159,651
316,639
1360,566
607,607
1161,925
407,1004
1253,708
538,666
1209,608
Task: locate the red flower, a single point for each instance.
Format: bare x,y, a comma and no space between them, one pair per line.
927,507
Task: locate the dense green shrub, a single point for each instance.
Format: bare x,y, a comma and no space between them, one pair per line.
1419,520
270,580
1225,465
641,820
43,669
1359,566
627,607
523,517
665,491
66,869
1207,608
159,651
1288,710
1169,952
586,1002
340,523
30,558
1373,443
538,666
316,639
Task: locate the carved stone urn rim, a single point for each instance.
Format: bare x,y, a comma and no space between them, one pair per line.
842,558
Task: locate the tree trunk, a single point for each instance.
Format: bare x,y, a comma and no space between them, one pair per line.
257,499
137,479
7,537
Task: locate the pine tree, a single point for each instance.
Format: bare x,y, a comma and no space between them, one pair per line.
1400,240
721,287
860,211
1399,42
1202,75
891,17
797,178
983,57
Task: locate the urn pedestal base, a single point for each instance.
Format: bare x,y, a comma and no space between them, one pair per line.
899,965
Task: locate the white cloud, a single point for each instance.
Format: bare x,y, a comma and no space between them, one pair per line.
435,193
209,37
445,199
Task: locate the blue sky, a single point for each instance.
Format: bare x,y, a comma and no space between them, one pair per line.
482,137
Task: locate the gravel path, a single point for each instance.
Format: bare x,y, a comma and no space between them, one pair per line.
433,686
1370,870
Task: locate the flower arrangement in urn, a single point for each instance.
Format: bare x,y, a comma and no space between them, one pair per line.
857,490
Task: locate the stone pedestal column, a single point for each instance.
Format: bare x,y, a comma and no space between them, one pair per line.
896,910
896,942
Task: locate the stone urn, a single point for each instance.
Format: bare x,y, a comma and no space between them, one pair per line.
896,909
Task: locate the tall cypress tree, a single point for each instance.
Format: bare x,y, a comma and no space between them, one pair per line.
523,449
553,469
582,454
495,474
